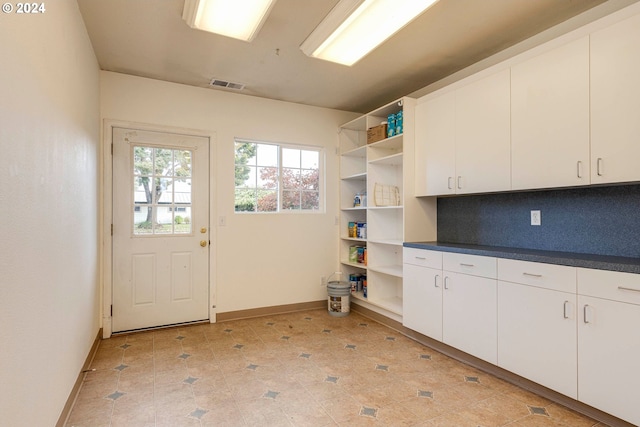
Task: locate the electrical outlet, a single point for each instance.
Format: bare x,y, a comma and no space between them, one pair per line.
222,221
323,281
536,218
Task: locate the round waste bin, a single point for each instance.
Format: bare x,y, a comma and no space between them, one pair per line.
338,298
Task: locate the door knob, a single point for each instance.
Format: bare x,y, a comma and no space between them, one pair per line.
203,230
203,243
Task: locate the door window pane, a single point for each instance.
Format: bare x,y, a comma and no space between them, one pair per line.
161,191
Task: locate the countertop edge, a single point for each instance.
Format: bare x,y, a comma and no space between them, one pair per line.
597,262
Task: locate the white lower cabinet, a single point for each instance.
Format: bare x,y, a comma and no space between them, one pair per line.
537,323
609,342
469,315
446,299
422,291
573,330
422,300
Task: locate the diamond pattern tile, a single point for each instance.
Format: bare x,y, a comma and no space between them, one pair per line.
361,373
198,413
190,380
537,410
368,412
424,393
271,394
115,396
331,379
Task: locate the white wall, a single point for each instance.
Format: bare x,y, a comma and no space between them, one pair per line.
49,134
261,260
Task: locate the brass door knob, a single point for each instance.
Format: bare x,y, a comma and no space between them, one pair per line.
203,243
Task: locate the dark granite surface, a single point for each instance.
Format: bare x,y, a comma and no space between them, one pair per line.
599,262
592,220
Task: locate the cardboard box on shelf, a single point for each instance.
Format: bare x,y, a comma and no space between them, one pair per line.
376,133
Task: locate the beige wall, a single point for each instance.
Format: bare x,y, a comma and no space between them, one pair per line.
49,134
260,260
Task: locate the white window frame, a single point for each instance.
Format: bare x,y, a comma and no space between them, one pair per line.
321,177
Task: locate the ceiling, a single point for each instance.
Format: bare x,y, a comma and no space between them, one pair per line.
148,38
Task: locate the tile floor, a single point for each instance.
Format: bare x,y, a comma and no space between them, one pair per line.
299,369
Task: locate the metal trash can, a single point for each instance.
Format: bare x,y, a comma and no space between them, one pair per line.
338,298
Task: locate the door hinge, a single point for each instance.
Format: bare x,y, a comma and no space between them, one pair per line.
111,310
112,229
112,149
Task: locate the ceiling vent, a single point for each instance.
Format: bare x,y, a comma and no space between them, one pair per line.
217,83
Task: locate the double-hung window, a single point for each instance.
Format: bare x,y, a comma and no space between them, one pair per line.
272,177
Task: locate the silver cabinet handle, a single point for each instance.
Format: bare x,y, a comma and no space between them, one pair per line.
599,166
565,309
579,169
531,274
459,182
584,312
449,183
435,281
466,265
421,258
622,288
446,282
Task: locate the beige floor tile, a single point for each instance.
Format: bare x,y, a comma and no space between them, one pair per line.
342,408
568,417
450,420
297,369
511,408
396,414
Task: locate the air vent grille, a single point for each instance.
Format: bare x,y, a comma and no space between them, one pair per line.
225,84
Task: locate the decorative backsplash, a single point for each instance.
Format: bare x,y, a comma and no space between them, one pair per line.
592,220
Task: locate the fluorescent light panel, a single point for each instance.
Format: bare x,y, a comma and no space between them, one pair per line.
239,19
355,27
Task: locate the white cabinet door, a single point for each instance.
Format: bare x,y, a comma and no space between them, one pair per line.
609,350
537,335
615,102
550,118
435,167
422,300
469,314
483,135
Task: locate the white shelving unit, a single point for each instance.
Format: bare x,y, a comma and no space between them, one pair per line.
362,166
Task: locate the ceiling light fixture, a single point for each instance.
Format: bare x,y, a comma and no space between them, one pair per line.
239,19
354,28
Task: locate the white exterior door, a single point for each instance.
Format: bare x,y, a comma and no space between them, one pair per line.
160,229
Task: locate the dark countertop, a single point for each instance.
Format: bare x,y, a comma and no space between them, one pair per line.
598,262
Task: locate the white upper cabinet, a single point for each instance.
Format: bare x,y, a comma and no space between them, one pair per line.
615,103
435,161
462,139
482,133
550,118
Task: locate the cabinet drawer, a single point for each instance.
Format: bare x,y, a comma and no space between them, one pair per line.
470,264
548,276
422,257
613,285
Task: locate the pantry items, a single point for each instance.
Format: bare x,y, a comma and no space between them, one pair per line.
386,195
357,230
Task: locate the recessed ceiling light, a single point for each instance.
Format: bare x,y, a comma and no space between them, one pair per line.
239,19
354,28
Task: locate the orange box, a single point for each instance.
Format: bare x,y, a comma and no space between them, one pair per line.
376,133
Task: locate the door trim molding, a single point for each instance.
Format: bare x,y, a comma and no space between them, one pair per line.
106,211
